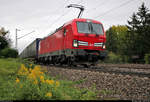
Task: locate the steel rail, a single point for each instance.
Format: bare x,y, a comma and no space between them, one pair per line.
110,70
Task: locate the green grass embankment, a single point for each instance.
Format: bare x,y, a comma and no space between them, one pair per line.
8,69
27,82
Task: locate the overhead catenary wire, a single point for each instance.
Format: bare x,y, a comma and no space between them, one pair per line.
60,7
25,35
96,7
65,13
58,19
115,8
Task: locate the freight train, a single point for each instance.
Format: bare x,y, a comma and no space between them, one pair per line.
79,41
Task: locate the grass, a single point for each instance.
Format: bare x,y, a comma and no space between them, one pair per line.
8,68
27,82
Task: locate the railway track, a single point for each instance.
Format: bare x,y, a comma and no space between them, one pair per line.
125,82
132,70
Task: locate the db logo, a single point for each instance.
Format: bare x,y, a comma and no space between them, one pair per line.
90,44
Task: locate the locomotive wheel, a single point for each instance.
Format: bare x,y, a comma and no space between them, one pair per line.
85,65
74,65
94,64
69,63
56,63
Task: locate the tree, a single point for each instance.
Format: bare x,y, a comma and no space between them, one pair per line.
111,40
4,42
3,32
139,32
5,49
132,35
116,38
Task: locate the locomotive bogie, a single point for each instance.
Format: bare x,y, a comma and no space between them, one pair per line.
73,55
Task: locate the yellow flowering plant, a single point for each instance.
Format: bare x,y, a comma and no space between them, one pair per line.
42,79
17,80
34,84
49,94
23,70
50,82
36,80
57,83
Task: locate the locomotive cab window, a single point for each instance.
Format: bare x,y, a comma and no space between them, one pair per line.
83,27
89,28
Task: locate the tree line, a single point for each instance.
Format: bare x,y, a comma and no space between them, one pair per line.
131,41
5,47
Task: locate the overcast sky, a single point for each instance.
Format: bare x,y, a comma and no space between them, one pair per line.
44,16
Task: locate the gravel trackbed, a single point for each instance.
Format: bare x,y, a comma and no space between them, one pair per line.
110,85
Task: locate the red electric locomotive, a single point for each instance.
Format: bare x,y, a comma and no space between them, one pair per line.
78,41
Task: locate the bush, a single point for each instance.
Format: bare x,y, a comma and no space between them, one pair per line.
113,58
3,43
9,52
125,59
147,58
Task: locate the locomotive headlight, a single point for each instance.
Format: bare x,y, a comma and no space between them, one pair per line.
104,46
75,43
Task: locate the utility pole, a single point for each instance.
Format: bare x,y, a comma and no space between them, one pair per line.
16,37
79,7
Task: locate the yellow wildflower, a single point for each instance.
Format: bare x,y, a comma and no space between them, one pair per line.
37,68
42,79
17,80
57,83
50,82
30,70
32,76
36,72
49,94
35,82
23,70
41,72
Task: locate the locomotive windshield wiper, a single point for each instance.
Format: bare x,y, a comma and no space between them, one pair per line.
89,27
